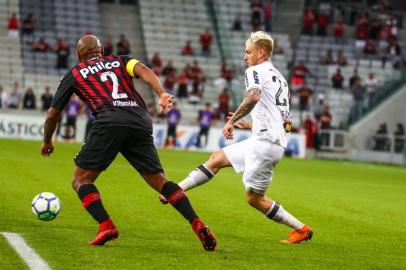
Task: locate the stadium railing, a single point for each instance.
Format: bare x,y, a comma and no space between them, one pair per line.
333,140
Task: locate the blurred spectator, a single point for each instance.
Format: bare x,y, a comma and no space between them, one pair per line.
300,72
226,72
305,93
381,139
196,71
256,11
393,48
276,48
310,127
188,49
3,97
358,92
173,117
188,71
29,100
237,24
14,98
151,110
206,40
108,45
399,138
326,118
197,89
328,58
183,82
223,101
13,25
72,110
156,64
319,108
123,46
369,47
169,82
354,77
325,123
392,23
205,120
169,68
308,20
268,15
62,52
41,45
46,99
362,21
322,24
371,82
28,27
337,79
339,30
341,59
375,28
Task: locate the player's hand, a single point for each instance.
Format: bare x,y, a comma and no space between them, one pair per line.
243,124
228,130
165,102
47,149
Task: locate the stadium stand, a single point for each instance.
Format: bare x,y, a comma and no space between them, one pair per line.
166,27
11,68
125,19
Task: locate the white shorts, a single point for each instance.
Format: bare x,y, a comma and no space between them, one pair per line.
257,158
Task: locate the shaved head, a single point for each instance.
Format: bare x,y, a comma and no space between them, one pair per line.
87,47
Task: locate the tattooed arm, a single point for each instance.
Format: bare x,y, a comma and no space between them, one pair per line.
250,100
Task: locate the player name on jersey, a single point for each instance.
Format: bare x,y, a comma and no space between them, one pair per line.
125,103
98,67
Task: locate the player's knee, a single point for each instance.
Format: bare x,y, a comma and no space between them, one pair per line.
217,160
254,200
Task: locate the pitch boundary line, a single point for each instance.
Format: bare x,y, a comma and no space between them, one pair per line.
29,256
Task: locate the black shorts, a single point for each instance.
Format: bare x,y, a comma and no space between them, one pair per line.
71,122
104,143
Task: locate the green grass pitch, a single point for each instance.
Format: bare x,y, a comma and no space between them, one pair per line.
357,211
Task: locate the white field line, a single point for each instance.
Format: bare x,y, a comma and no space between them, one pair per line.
30,257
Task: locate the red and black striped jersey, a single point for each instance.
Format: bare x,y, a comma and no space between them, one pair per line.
105,85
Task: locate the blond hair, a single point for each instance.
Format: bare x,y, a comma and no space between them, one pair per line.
262,40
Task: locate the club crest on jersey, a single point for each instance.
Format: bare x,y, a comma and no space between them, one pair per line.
98,67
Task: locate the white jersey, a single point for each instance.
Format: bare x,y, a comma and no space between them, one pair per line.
273,107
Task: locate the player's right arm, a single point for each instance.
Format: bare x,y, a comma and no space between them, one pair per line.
138,70
61,98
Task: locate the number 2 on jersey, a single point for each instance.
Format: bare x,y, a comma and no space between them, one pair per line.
278,94
104,77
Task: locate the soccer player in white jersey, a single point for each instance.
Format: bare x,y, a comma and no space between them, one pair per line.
267,98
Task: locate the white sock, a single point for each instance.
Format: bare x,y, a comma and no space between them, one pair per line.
197,177
277,213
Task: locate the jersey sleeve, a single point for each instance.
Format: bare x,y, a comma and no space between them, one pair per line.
252,79
64,92
129,63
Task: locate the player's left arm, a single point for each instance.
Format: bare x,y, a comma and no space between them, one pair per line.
137,69
61,98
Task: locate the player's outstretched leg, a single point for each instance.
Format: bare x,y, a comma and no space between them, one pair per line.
197,177
91,201
276,212
178,199
203,173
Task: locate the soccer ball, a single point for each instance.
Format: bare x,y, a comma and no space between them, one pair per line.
46,206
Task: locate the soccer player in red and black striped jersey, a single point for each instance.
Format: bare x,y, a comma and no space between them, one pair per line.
122,125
